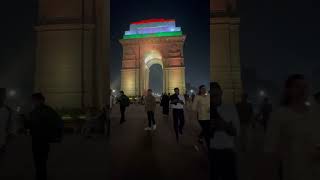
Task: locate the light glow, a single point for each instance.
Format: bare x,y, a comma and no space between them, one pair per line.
153,28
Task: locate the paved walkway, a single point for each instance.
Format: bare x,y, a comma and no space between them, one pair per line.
76,158
137,154
129,153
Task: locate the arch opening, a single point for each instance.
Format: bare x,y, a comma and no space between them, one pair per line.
156,79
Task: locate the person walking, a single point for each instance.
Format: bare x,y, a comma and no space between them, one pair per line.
165,103
150,107
317,98
292,143
124,102
246,116
177,102
264,114
224,130
5,120
201,105
46,127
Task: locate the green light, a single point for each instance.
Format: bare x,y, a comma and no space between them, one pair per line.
161,34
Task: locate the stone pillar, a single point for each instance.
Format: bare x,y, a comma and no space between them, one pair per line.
130,81
175,77
64,27
225,51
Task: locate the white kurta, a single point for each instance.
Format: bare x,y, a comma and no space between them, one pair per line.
295,137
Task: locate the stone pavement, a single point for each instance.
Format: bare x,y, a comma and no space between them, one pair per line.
129,153
76,158
137,154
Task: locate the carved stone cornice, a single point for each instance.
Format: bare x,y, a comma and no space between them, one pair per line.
156,40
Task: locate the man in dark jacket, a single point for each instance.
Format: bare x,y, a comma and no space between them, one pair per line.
124,102
43,129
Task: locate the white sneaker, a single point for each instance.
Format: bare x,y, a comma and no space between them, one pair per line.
154,127
147,129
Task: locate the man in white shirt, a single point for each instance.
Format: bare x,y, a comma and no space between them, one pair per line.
225,127
177,102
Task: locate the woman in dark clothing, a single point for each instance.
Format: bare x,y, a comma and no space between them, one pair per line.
165,104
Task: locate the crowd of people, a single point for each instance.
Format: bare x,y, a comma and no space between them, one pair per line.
291,131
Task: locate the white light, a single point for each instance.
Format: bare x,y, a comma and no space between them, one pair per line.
308,103
113,91
191,90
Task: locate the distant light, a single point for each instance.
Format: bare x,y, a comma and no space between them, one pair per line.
308,103
113,91
12,93
262,93
192,91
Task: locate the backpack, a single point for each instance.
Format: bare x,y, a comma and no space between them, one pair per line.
127,101
55,128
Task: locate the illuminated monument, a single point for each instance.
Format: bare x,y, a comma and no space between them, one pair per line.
149,42
72,52
225,51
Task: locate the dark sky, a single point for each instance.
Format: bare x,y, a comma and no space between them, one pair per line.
277,38
17,50
192,15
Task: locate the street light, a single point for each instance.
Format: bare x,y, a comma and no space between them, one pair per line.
192,91
113,90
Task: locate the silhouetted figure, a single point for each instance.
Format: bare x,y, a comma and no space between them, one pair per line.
265,112
246,116
106,112
150,107
293,138
201,105
192,97
186,97
177,102
46,127
90,124
224,129
124,102
142,99
5,120
165,103
317,98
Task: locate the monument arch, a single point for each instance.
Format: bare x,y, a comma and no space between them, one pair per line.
149,42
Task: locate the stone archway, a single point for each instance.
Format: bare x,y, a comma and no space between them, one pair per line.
144,48
151,59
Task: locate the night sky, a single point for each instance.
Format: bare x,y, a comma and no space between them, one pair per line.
191,15
277,39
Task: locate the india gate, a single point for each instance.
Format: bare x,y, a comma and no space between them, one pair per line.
72,52
225,48
149,42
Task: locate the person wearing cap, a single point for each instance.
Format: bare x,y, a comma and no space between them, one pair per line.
177,102
43,126
124,102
